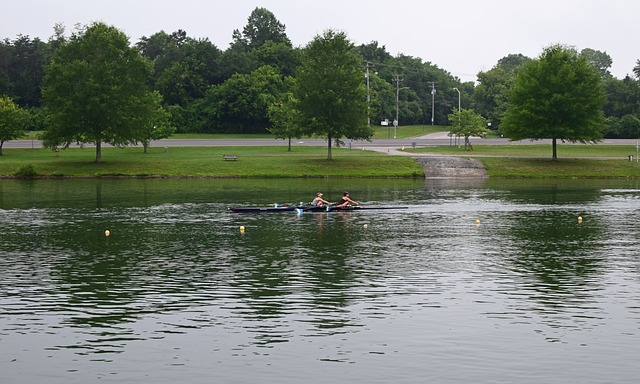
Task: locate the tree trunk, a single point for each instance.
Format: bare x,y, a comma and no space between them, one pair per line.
289,150
329,147
555,150
98,151
145,145
1,144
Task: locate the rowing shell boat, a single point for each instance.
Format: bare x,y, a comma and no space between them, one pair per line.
312,208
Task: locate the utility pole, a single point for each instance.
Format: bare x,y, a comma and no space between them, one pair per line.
433,101
395,122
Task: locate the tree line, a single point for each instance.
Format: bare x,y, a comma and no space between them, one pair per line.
259,84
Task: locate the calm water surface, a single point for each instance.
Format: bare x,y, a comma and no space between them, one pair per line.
177,293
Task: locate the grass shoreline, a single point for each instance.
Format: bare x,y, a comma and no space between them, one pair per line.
508,161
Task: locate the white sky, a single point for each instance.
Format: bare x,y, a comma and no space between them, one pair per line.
461,37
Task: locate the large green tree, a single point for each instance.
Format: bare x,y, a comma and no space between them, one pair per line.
241,104
330,92
13,120
96,90
558,96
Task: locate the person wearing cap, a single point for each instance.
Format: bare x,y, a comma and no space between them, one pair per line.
319,201
345,201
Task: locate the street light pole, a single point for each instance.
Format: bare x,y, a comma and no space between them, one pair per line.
395,122
433,101
458,109
368,97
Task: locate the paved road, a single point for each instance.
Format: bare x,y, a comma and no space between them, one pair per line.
382,145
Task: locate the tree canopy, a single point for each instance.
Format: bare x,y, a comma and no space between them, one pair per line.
558,96
330,93
186,68
262,26
12,121
467,123
283,115
601,61
96,90
491,94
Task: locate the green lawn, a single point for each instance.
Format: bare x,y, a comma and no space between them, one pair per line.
403,132
208,162
534,150
534,161
380,132
502,167
508,161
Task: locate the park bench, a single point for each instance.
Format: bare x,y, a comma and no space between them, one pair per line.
230,157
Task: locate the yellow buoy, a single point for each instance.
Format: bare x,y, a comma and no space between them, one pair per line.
477,222
107,233
242,228
579,219
366,225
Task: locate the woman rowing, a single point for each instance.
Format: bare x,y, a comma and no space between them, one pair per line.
345,201
319,201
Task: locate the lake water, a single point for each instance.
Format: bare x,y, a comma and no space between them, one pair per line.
476,282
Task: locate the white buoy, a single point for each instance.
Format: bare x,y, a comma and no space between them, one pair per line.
107,233
366,225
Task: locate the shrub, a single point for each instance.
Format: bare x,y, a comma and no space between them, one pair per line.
26,171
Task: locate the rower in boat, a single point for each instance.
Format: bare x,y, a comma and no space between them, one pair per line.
345,201
318,201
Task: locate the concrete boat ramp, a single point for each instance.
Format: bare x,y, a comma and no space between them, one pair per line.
441,167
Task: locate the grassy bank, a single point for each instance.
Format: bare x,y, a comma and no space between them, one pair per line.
501,161
501,167
534,161
207,162
535,150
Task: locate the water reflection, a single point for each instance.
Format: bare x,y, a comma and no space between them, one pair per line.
560,267
338,287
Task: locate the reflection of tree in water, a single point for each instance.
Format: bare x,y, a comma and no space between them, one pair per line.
537,192
101,275
309,273
336,269
559,262
284,273
107,284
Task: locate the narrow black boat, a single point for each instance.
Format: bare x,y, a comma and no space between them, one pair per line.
312,208
285,208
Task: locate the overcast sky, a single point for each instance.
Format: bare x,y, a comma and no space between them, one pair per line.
462,37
